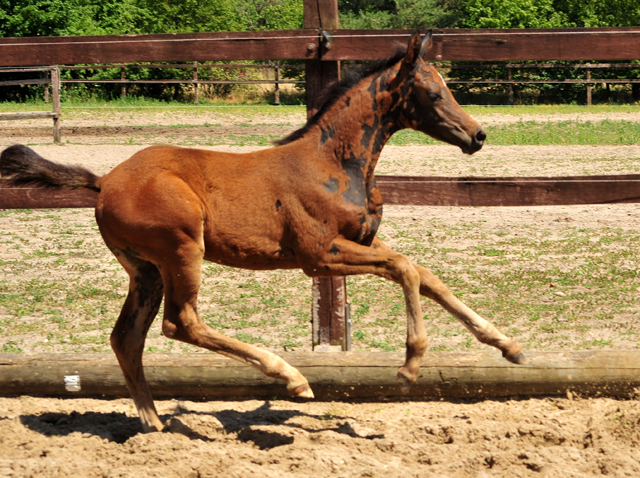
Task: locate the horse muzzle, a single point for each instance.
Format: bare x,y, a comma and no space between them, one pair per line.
477,140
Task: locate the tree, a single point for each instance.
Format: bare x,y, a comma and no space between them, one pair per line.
510,14
185,16
258,15
600,13
412,14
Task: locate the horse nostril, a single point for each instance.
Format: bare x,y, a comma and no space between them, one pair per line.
481,135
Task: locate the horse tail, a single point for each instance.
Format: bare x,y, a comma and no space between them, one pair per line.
24,166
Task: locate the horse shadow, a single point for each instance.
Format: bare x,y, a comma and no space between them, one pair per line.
117,427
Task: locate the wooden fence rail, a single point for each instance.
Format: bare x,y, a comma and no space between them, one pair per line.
609,44
410,191
510,82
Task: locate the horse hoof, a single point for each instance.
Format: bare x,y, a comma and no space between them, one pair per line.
518,358
303,391
404,383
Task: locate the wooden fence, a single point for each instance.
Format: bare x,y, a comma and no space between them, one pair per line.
510,83
55,89
323,46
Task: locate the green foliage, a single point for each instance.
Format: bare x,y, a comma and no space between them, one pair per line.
185,16
511,14
418,14
599,13
270,14
72,17
101,17
548,13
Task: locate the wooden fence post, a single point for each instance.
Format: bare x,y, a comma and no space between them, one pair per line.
55,94
510,78
276,70
123,88
588,87
45,75
196,98
329,294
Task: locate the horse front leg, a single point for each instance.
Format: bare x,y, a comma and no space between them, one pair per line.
484,331
349,258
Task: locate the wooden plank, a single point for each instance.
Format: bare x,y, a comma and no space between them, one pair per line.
25,197
264,45
494,45
450,45
41,81
412,190
332,376
55,94
27,115
540,191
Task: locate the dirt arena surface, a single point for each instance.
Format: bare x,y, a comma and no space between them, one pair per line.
511,438
540,437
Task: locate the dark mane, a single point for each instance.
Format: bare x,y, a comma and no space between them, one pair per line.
330,96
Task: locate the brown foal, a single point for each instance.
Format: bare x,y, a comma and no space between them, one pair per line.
311,202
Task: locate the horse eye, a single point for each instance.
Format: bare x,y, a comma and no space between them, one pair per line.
434,97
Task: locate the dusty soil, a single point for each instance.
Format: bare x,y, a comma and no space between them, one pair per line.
552,437
273,439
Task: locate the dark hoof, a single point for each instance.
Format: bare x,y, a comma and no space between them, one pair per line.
518,358
404,383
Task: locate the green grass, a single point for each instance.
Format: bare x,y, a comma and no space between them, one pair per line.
562,133
525,110
145,105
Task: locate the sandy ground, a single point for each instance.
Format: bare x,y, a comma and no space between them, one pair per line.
274,439
552,437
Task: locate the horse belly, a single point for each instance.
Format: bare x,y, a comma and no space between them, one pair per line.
249,246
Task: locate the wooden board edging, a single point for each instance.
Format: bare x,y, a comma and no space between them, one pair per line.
331,375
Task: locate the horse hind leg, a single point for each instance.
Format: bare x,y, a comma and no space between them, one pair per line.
181,276
129,334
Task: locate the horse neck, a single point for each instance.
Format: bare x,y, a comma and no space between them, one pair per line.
357,127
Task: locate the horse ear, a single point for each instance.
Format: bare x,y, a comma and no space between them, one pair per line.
413,51
427,43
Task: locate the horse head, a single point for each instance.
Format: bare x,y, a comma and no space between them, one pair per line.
427,103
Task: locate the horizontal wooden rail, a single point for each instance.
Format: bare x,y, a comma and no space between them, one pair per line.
264,45
185,66
531,191
568,81
544,66
192,82
493,45
411,190
38,81
331,376
25,70
610,44
28,115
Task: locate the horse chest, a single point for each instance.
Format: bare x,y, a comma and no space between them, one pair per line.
360,210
